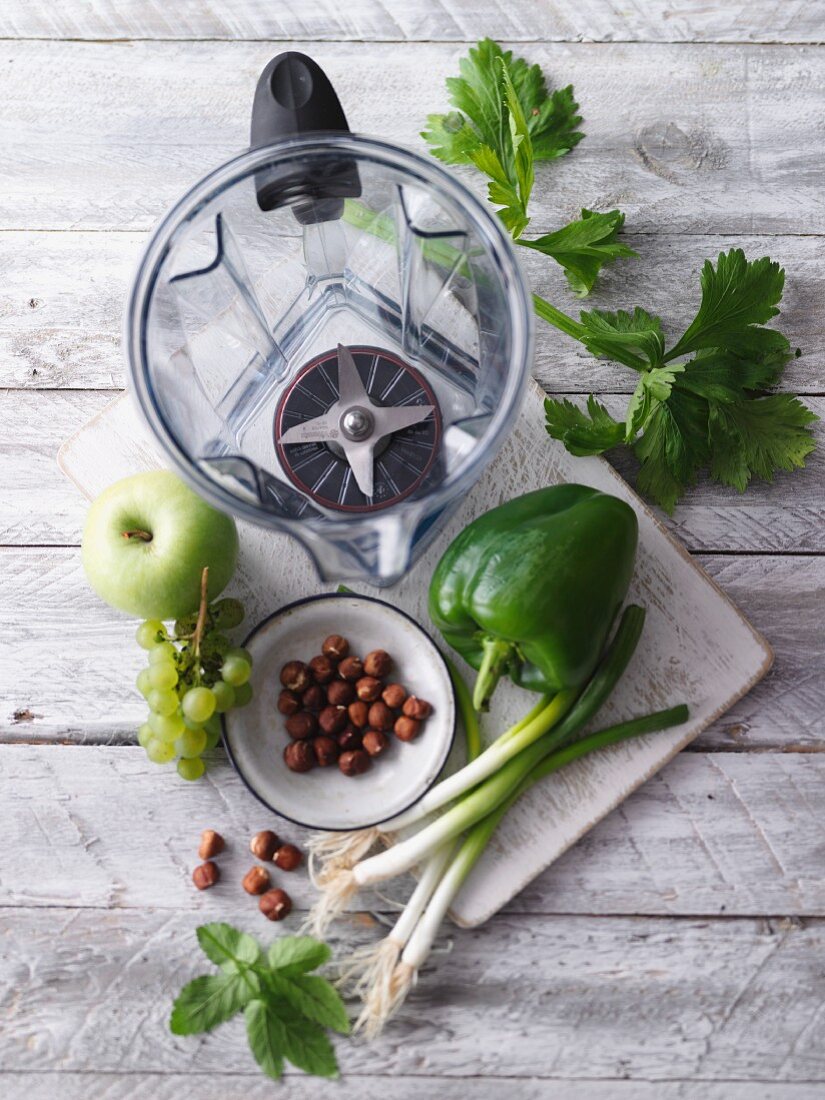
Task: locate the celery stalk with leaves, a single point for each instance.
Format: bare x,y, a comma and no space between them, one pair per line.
704,402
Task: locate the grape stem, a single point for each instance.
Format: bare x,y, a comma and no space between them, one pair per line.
201,623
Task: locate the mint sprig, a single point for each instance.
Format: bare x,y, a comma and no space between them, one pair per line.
287,1010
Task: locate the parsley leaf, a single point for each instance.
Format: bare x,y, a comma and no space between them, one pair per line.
756,437
583,433
624,336
583,247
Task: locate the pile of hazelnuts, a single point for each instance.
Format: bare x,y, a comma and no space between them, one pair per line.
340,709
275,904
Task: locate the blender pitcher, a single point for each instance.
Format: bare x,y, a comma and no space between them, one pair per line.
329,335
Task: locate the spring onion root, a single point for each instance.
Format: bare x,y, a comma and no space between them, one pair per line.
331,852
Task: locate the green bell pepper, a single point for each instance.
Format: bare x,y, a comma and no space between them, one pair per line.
531,589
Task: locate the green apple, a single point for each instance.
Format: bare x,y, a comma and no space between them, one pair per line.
146,541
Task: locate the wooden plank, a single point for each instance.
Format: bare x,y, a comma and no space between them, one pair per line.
47,608
61,329
711,834
570,997
672,134
415,20
39,507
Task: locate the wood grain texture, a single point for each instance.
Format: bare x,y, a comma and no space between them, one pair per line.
739,834
62,298
674,135
415,20
600,998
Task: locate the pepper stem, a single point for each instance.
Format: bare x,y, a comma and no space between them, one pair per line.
497,656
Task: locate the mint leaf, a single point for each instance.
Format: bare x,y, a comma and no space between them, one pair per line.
582,433
312,997
292,955
307,1047
210,1000
756,437
583,247
624,336
227,947
266,1036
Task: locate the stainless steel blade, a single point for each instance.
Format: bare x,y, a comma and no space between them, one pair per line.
350,387
394,418
361,461
321,429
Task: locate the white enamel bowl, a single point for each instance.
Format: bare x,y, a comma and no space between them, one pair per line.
324,798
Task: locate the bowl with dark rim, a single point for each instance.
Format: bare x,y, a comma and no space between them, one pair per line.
324,798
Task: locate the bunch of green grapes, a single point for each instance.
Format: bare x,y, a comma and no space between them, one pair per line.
189,682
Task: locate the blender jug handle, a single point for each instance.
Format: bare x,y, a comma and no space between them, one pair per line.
294,96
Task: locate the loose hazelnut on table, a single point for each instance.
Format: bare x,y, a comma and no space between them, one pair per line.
275,904
417,708
354,763
299,756
394,695
301,725
378,663
212,844
358,713
323,668
289,702
206,875
256,880
314,697
332,719
295,676
288,857
264,844
340,693
406,729
335,647
375,742
368,689
326,750
349,739
380,717
351,668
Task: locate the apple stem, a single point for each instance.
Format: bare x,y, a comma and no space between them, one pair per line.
144,536
201,623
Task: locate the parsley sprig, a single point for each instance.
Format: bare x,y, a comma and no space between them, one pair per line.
287,1009
705,403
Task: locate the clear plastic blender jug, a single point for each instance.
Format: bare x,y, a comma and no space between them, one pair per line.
330,335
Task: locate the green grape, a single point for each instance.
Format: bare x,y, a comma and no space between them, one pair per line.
160,752
190,725
167,727
148,633
235,671
162,701
145,735
163,675
144,684
228,613
213,737
224,696
191,769
238,651
243,694
191,743
198,704
213,725
164,651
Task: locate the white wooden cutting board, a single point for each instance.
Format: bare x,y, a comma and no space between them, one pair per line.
696,647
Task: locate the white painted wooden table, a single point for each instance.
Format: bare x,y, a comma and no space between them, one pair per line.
677,951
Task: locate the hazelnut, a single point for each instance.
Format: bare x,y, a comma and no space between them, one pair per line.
263,845
335,647
368,689
351,668
378,663
340,693
380,717
417,708
323,668
375,742
349,739
289,702
256,880
288,857
354,763
358,714
212,844
299,756
406,729
301,725
295,676
332,719
326,750
314,697
275,904
394,695
206,875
